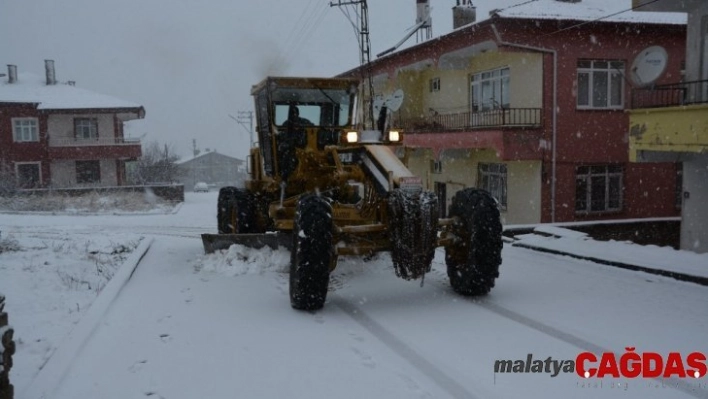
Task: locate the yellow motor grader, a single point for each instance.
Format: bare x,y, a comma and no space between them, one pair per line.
323,189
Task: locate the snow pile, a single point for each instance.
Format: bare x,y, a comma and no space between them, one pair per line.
93,203
239,260
649,256
50,279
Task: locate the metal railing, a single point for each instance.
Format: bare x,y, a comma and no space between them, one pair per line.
467,120
671,95
98,141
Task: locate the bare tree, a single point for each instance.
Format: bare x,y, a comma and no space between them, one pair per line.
158,164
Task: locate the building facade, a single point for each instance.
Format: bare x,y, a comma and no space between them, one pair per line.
531,104
217,170
56,135
670,122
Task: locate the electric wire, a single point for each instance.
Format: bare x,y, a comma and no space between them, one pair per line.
600,18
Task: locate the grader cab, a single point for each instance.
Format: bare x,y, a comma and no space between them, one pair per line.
322,188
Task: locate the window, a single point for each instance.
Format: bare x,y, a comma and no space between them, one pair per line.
598,188
490,90
436,166
434,85
85,128
25,129
88,172
600,84
492,177
28,174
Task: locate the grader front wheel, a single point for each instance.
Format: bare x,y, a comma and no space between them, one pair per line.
235,211
473,261
312,253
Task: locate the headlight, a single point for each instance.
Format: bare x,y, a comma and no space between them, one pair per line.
394,136
352,137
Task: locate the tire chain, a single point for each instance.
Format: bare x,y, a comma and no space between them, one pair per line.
7,349
413,225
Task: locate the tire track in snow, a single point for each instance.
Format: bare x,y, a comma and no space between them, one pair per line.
405,351
560,335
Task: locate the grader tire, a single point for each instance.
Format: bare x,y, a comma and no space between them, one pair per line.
235,211
312,253
473,260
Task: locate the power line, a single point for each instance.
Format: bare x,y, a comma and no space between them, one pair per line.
600,18
515,5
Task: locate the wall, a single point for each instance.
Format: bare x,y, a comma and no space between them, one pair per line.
64,174
525,75
61,126
460,171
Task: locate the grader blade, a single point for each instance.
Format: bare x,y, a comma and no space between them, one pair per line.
216,242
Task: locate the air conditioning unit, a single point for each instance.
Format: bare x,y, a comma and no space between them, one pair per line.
436,167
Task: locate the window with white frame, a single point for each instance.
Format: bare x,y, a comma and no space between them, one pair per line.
85,128
490,90
600,84
25,129
28,174
598,188
492,177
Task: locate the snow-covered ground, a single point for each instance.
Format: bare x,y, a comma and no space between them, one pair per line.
184,324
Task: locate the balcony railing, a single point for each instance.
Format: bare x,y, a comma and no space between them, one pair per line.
467,120
99,141
671,95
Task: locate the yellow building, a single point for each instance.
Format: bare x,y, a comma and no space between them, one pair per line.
670,122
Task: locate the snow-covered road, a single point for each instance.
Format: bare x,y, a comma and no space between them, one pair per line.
188,325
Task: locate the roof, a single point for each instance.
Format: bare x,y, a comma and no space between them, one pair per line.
590,10
30,88
617,11
210,154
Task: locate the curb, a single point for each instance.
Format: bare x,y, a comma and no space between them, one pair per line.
675,275
53,371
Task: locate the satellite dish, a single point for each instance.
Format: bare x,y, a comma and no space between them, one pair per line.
648,65
395,100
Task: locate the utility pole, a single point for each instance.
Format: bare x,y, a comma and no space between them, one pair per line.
195,151
243,117
364,58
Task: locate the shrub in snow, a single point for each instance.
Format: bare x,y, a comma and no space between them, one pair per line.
8,244
88,203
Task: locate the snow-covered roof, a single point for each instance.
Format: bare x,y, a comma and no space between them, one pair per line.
30,88
590,10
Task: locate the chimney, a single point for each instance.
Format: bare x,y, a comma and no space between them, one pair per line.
464,13
11,73
51,76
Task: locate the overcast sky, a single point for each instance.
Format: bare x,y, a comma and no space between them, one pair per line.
191,63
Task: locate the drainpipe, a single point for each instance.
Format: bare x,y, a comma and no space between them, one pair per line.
555,109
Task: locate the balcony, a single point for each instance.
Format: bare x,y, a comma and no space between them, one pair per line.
671,95
94,148
461,119
668,119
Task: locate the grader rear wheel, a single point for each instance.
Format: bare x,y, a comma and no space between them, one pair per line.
312,253
473,261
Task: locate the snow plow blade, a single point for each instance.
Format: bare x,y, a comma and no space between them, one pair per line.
215,242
